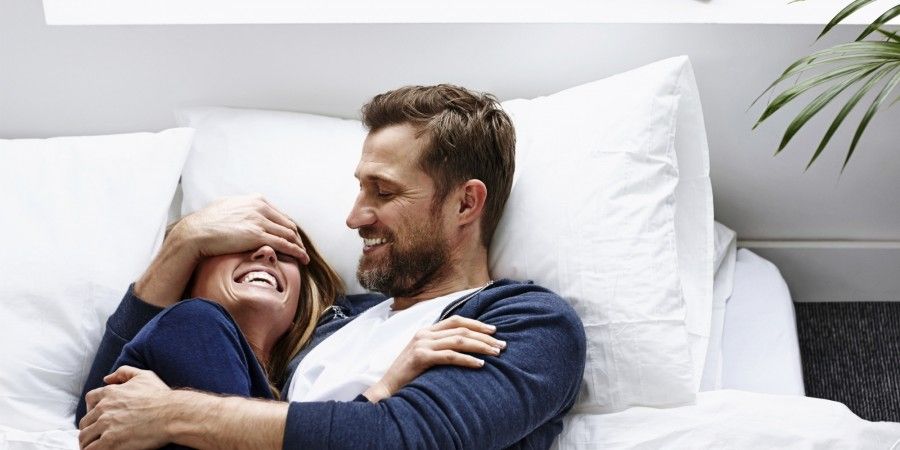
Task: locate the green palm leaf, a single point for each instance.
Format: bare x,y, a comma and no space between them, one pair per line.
789,94
879,22
837,69
891,35
873,108
816,105
843,14
865,51
851,103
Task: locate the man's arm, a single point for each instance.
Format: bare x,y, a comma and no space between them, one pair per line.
185,417
533,382
163,415
530,386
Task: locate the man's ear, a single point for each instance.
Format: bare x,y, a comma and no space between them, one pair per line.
472,195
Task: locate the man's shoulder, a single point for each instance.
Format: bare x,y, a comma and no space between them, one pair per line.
523,291
511,297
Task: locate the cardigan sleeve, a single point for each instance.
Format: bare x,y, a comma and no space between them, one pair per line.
520,395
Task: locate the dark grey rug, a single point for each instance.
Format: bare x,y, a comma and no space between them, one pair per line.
851,354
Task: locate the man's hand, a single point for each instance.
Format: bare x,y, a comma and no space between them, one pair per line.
139,411
130,413
230,225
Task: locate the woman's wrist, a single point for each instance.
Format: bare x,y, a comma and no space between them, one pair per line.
377,392
165,279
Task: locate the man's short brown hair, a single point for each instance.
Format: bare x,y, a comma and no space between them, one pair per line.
471,138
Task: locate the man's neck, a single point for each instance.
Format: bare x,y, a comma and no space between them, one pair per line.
466,276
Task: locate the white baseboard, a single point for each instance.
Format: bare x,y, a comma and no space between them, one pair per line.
835,271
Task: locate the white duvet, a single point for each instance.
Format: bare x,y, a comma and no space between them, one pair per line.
729,419
719,420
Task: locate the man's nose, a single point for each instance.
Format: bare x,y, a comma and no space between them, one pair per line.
266,254
361,214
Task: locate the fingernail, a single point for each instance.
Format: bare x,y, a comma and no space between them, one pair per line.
502,344
492,328
495,350
481,362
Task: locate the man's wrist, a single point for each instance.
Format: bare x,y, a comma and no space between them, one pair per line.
183,408
202,420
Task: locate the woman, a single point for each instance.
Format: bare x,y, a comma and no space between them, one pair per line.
248,315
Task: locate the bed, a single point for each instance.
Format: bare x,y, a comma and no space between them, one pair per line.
691,342
760,402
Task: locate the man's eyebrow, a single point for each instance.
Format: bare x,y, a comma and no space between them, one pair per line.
377,178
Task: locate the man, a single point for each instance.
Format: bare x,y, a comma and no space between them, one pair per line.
435,172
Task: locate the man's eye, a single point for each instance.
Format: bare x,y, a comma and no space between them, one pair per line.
383,194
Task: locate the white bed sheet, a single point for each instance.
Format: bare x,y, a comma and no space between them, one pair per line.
729,419
760,348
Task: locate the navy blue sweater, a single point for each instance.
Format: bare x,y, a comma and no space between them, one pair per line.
517,400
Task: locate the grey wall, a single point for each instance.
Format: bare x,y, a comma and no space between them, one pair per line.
104,79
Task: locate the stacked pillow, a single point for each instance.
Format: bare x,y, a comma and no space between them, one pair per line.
611,207
82,218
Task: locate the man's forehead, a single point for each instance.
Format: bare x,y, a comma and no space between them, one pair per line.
390,153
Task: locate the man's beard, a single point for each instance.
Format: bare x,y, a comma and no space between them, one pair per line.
416,259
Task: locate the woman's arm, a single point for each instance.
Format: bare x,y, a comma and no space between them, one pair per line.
124,324
195,344
444,343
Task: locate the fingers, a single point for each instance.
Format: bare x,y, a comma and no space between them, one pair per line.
284,240
464,322
452,358
89,434
467,333
93,397
273,214
279,225
464,344
121,375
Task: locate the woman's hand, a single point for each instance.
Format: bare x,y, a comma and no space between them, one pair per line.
239,224
444,343
230,225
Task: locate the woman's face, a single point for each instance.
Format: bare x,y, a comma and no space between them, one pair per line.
262,284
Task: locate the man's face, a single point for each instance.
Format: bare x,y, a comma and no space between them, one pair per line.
404,239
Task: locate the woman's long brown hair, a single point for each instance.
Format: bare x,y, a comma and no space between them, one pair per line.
320,285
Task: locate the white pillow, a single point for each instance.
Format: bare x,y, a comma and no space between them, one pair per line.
304,164
725,251
620,226
82,217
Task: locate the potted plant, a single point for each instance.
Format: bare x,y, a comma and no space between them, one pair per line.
870,62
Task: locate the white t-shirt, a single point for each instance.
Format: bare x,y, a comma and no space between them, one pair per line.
355,357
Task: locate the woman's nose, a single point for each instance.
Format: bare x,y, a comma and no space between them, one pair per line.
265,253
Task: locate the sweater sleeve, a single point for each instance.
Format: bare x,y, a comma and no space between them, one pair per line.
195,344
121,327
529,386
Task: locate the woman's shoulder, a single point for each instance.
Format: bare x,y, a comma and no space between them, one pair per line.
197,312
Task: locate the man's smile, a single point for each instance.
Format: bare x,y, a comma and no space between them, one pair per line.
371,244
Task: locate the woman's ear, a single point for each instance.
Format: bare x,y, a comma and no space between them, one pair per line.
473,194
